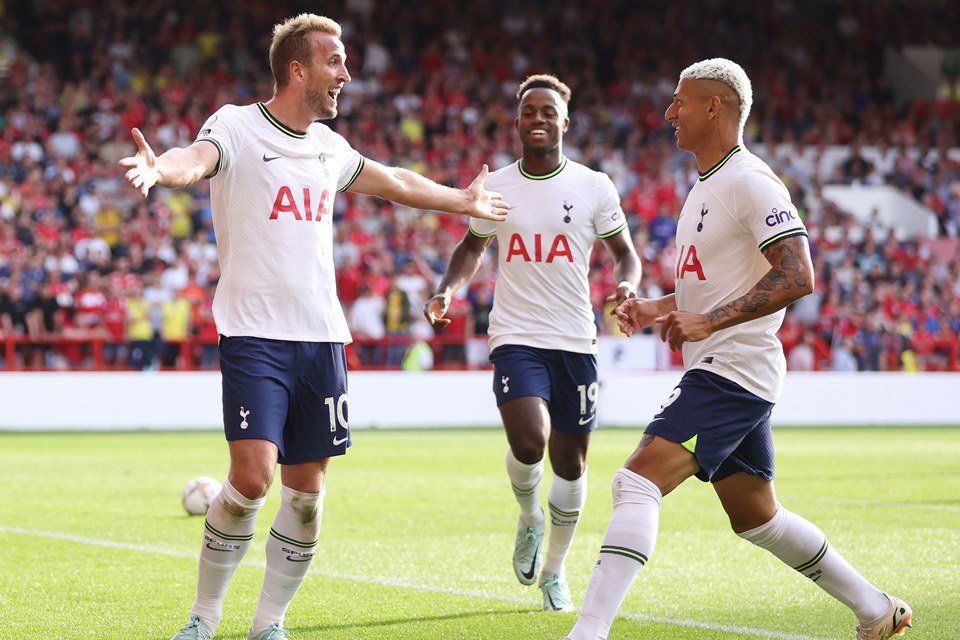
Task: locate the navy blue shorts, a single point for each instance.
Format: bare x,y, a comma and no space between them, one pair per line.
726,426
566,381
293,394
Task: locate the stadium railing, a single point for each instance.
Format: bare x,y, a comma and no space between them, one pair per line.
99,353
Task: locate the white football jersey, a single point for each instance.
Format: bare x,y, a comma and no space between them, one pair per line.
542,296
735,210
272,199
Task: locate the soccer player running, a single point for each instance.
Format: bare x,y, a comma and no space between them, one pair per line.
742,258
274,172
543,338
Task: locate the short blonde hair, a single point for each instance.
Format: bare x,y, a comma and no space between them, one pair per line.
729,73
291,41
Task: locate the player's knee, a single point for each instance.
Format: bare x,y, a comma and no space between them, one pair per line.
747,517
571,469
252,486
529,450
632,488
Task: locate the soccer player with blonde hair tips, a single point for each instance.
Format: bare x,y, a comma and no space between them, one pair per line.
274,172
742,257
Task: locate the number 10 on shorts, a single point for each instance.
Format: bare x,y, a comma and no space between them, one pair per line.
335,407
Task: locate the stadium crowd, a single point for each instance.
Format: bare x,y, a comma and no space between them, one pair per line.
91,274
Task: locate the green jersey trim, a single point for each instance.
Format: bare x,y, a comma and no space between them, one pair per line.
712,170
293,133
219,166
546,176
481,235
789,233
614,232
356,174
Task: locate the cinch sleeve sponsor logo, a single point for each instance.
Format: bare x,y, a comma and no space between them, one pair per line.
777,217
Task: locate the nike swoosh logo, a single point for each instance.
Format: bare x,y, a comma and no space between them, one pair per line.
590,417
655,419
339,441
528,575
269,159
296,559
213,548
897,622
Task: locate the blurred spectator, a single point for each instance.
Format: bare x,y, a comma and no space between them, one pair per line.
802,356
140,332
175,327
366,323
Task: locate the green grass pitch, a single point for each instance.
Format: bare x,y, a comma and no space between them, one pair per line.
418,530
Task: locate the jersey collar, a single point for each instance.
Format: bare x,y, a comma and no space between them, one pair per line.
293,133
712,170
531,176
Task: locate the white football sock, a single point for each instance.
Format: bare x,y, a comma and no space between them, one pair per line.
290,550
627,544
525,479
802,545
227,532
566,501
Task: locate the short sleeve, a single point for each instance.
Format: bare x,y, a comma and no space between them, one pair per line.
351,164
219,130
764,208
482,227
608,218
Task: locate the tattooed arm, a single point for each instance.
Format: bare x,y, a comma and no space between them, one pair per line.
789,279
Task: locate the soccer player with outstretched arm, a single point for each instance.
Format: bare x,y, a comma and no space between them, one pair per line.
742,258
543,339
274,172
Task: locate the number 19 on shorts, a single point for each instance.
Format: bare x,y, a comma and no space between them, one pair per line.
588,393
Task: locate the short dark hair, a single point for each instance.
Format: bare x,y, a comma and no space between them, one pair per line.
545,81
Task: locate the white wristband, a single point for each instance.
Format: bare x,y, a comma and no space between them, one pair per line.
629,286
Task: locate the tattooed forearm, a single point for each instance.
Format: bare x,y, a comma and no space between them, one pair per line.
790,278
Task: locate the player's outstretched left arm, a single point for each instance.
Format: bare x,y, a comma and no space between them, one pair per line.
177,167
789,279
413,190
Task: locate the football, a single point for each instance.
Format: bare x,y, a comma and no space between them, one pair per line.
198,494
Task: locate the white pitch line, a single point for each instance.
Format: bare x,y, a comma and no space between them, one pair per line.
879,504
403,584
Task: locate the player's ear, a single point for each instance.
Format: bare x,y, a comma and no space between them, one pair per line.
713,110
296,70
566,125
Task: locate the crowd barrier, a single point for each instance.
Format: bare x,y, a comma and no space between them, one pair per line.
437,399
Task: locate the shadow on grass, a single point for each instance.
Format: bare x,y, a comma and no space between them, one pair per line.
371,624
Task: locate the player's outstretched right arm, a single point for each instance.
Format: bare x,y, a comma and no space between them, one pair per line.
466,259
176,168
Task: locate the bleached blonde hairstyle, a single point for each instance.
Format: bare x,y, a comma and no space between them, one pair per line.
291,41
729,73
